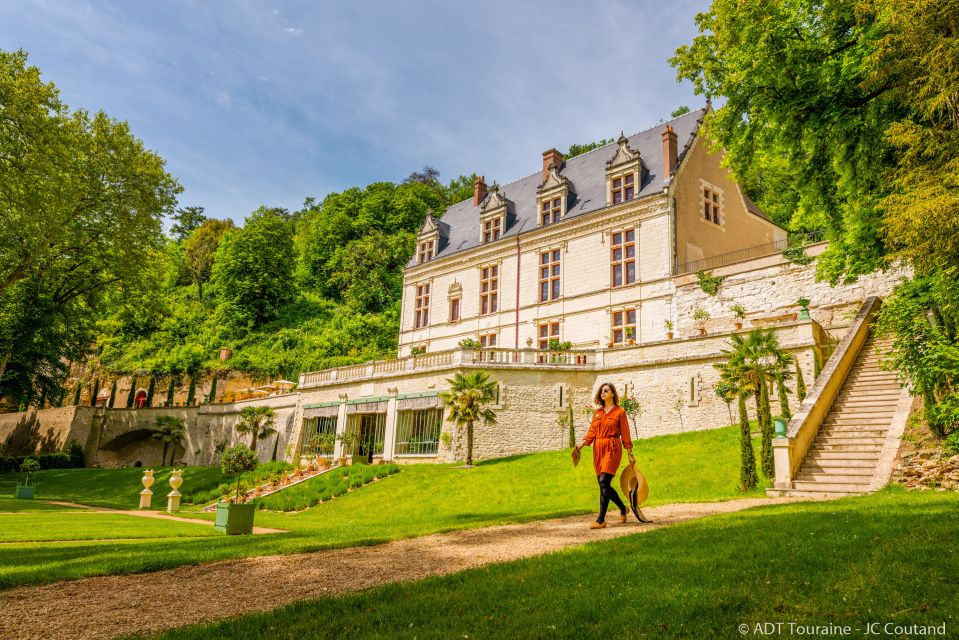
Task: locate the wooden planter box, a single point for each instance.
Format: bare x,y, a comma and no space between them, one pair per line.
234,519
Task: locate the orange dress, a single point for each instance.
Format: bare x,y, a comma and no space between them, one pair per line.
605,433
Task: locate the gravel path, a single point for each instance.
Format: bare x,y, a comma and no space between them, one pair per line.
111,606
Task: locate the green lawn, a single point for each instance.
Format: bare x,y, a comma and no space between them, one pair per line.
79,524
419,500
890,557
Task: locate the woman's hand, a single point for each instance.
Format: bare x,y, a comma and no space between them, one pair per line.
632,459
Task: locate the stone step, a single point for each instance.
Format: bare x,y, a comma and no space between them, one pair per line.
848,421
833,478
819,448
838,464
863,392
873,388
856,414
873,431
859,379
850,438
818,456
866,406
820,494
839,487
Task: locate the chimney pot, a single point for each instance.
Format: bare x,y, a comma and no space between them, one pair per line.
670,153
479,190
551,157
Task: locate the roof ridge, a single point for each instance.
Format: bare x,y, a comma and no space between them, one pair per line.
582,155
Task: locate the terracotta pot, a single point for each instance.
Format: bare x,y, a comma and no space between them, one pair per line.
669,335
630,342
738,324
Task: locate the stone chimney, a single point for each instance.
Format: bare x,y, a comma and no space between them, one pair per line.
479,190
551,157
669,152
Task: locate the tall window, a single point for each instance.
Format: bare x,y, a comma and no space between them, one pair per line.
454,309
624,326
548,331
489,289
624,188
488,340
551,210
711,202
421,313
426,251
549,275
491,229
623,258
418,432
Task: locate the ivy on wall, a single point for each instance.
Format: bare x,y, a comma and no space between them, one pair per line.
708,282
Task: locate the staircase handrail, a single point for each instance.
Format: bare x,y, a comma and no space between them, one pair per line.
790,451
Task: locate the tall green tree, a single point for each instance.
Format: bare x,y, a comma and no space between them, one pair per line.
81,202
185,221
253,270
467,402
258,422
200,248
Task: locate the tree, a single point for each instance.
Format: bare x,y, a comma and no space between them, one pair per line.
151,389
580,149
185,221
257,421
94,391
467,403
81,202
679,111
800,383
200,248
170,431
737,383
237,460
131,396
750,364
253,270
113,393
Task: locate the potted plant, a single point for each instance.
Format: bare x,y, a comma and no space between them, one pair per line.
417,351
669,329
348,440
630,336
700,317
469,343
739,313
529,343
25,491
803,308
236,517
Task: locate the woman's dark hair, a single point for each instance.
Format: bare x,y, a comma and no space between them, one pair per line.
599,394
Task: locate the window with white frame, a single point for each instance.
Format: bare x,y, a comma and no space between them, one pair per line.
489,289
549,271
623,258
426,251
418,432
623,326
712,204
421,308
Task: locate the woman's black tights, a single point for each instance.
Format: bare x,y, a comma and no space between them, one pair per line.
607,493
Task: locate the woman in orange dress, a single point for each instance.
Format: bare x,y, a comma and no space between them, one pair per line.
609,434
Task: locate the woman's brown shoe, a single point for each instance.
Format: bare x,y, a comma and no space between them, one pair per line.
598,525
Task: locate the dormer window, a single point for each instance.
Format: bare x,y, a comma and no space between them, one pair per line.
426,251
623,173
492,229
623,188
552,196
495,215
431,238
551,210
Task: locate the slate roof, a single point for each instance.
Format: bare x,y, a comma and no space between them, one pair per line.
587,174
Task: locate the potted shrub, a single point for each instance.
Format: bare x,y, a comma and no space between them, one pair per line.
630,336
417,351
700,317
803,308
469,343
236,517
348,440
669,329
739,313
25,491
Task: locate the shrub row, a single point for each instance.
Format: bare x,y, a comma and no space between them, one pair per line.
329,485
206,492
72,458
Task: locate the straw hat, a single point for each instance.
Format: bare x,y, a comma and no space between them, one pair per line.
634,485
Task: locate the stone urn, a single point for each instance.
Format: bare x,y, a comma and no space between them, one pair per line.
146,496
173,498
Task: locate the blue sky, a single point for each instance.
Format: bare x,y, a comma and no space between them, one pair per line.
256,103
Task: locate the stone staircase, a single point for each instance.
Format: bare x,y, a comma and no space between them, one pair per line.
845,456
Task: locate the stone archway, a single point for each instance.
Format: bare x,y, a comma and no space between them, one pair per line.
138,445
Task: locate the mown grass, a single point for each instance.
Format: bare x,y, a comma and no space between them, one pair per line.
889,557
420,500
79,524
332,484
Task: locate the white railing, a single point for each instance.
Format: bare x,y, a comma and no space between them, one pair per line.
454,358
